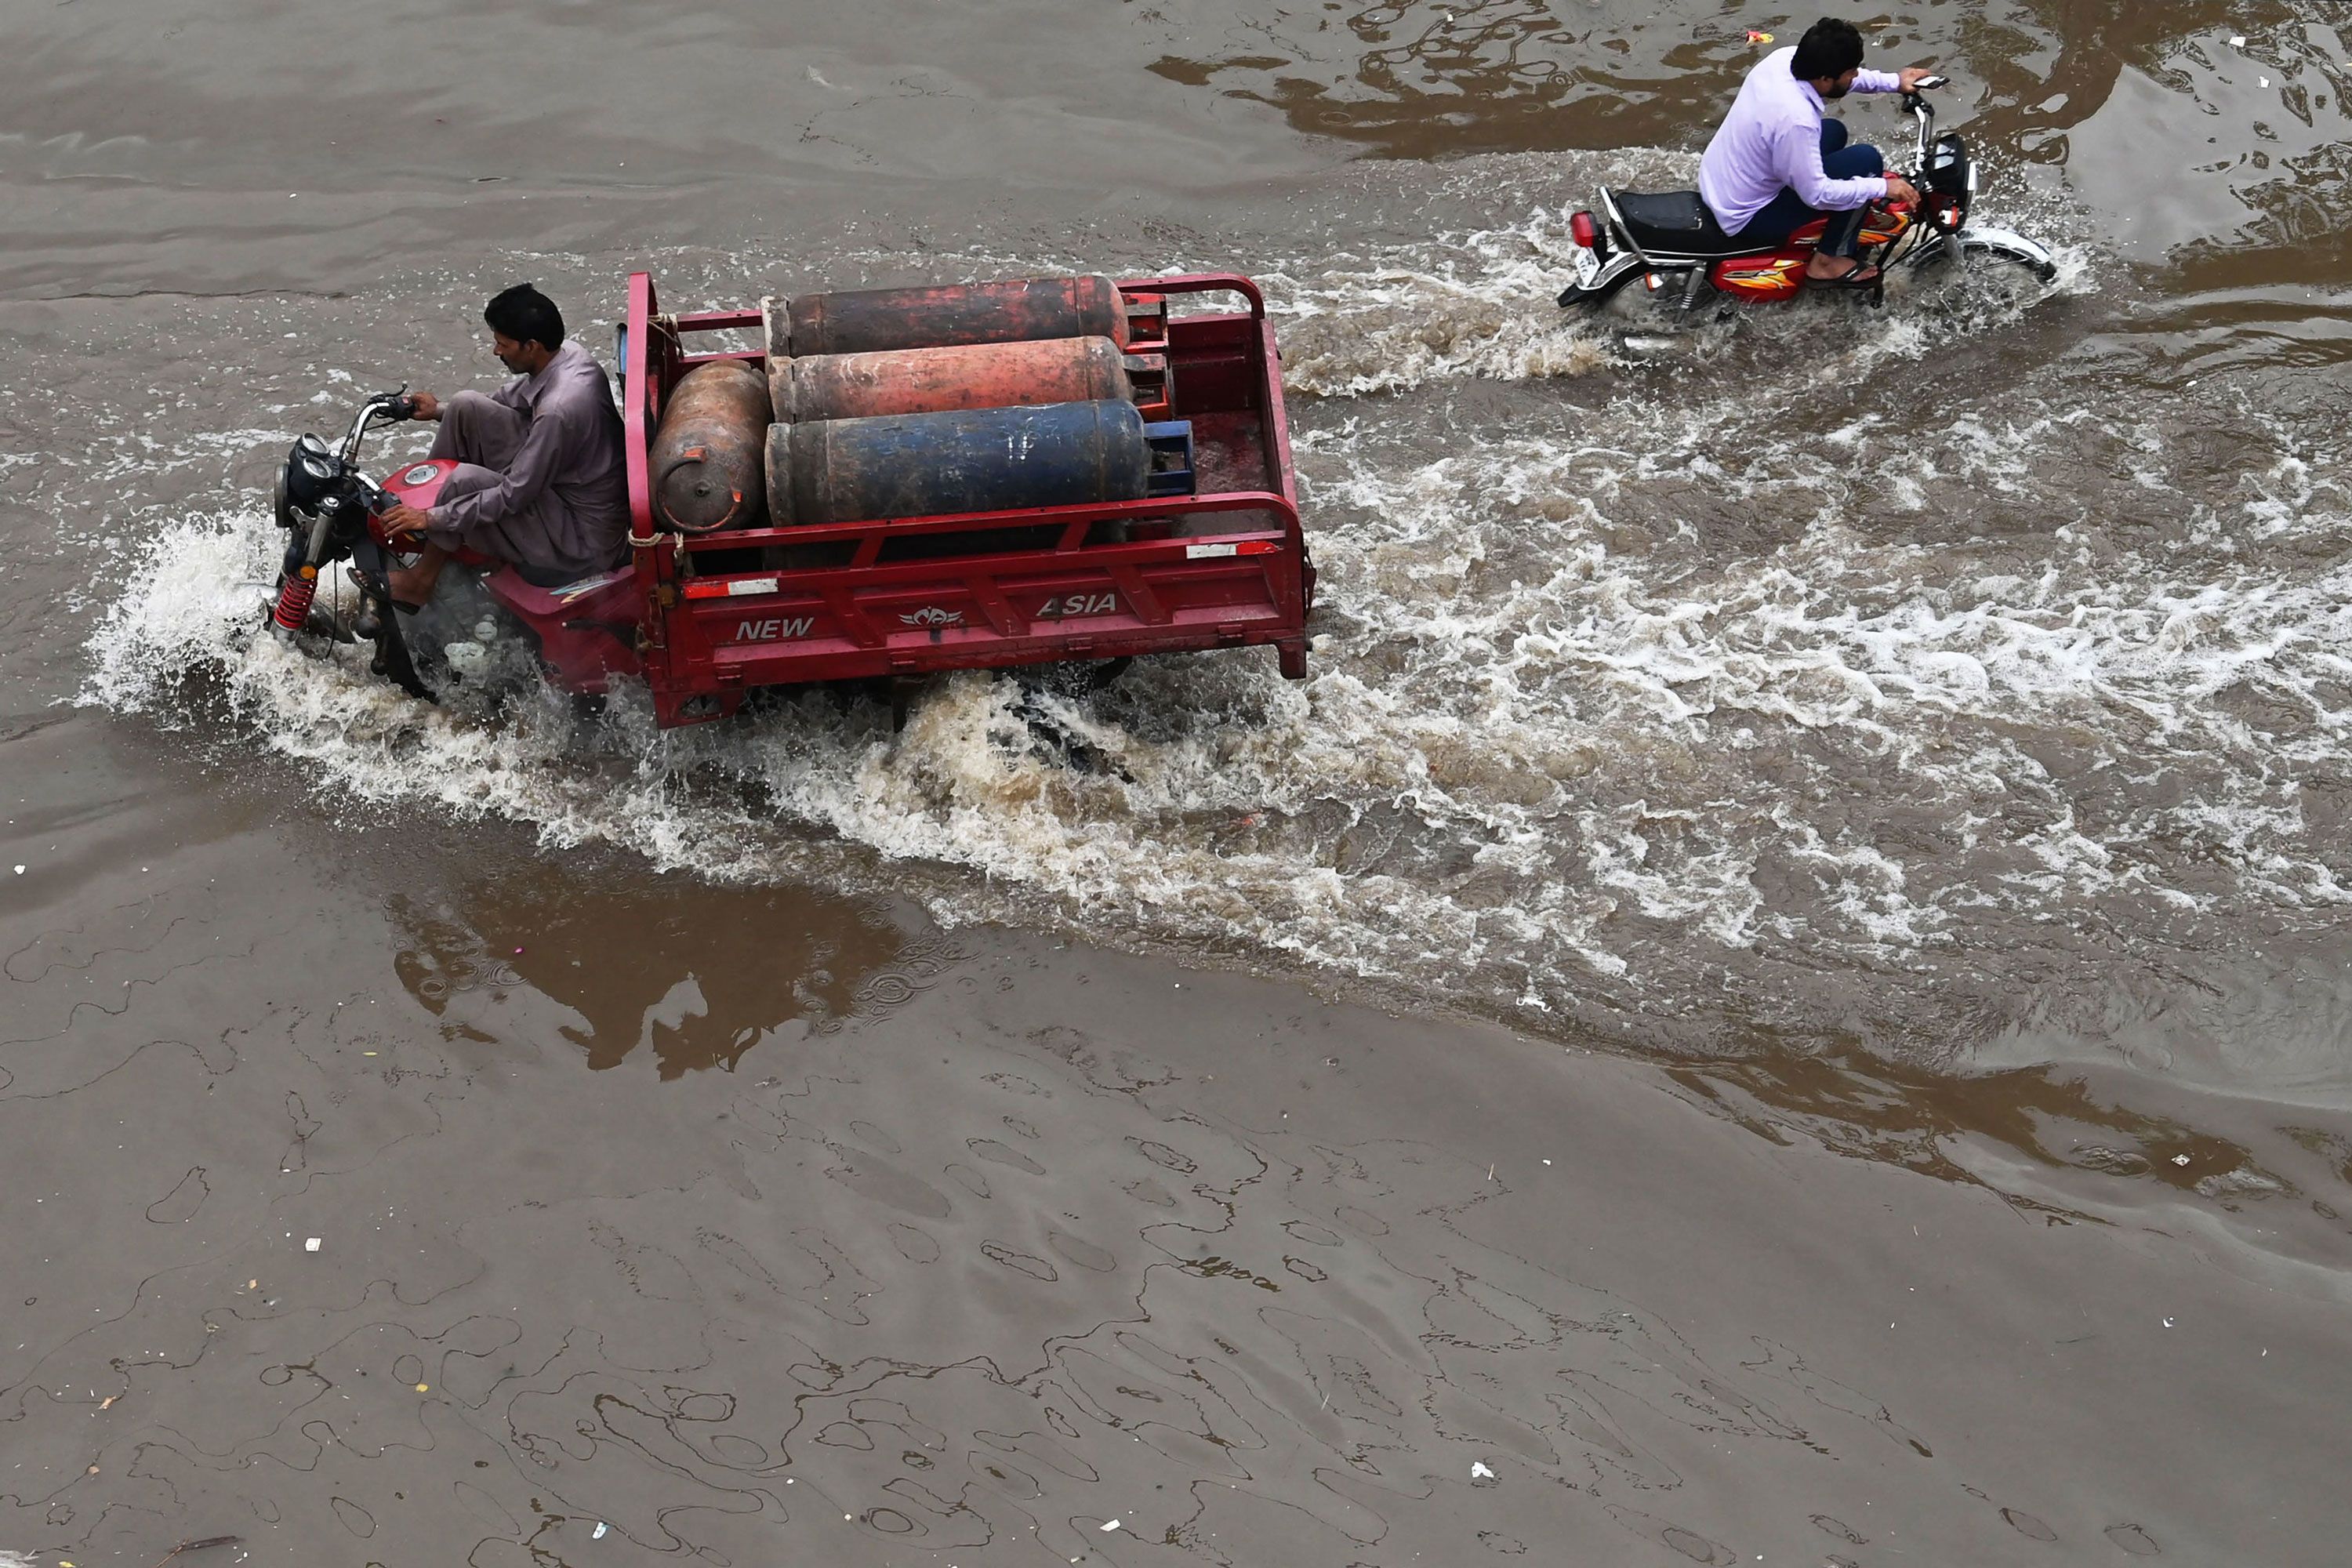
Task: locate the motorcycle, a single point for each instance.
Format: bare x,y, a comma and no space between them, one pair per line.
332,513
1671,242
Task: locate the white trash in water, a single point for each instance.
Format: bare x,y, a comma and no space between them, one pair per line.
1478,1471
311,1245
597,1534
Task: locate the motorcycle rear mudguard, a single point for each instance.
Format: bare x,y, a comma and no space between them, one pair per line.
1612,276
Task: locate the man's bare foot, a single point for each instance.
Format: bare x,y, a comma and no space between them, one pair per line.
412,586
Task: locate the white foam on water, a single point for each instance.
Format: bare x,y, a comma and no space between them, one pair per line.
1636,706
1503,757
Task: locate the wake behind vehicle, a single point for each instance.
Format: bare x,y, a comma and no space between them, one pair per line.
1183,533
1670,244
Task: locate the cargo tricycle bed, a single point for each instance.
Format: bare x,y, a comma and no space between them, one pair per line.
1212,557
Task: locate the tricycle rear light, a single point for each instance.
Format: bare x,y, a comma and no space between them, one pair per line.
1584,230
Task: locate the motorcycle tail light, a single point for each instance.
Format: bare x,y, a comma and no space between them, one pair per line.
1584,231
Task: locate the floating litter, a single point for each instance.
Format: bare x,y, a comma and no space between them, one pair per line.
311,1245
1112,1525
597,1534
1756,37
1478,1471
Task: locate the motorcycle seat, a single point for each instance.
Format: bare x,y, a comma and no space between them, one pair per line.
1675,223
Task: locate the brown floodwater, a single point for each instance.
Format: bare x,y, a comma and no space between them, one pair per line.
1780,995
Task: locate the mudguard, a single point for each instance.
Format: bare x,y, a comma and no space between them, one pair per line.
1612,276
2011,246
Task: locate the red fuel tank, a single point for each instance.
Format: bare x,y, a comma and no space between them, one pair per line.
1017,309
707,464
972,376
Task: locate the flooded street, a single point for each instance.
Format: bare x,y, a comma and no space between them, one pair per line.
1780,994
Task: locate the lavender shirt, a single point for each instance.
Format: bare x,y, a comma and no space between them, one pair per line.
570,453
1771,141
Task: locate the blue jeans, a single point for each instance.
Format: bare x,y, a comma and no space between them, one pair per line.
1785,213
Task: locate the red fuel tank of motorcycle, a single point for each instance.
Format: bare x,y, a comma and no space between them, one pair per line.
1017,309
972,376
975,459
419,485
706,464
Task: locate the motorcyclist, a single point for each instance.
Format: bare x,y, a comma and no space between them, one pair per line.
541,480
1777,163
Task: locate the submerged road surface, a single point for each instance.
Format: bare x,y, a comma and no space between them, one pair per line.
1779,994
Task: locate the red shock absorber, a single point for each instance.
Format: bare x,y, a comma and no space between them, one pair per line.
294,598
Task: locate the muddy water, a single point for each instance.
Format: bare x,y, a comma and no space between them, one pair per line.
1777,993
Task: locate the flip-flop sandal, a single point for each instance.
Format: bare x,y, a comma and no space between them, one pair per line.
1856,278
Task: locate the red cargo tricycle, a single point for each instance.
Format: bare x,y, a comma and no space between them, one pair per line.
1212,558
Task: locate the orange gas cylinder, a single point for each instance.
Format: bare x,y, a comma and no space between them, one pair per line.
1018,309
969,375
709,459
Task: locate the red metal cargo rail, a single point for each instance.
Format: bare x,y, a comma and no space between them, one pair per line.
1225,567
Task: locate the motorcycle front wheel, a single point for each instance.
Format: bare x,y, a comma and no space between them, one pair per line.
2003,244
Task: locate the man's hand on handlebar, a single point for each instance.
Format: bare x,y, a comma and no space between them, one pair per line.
427,406
1899,189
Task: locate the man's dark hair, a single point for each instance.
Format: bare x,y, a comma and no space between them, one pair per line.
527,316
1830,48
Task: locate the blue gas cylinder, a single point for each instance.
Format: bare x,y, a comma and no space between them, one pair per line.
972,459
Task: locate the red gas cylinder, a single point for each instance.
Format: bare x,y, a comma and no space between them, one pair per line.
1017,309
971,375
707,467
972,459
